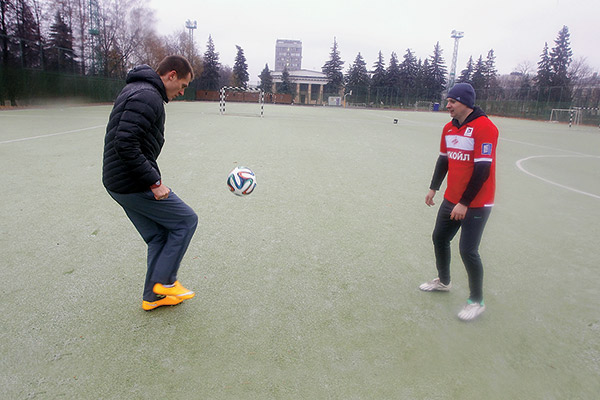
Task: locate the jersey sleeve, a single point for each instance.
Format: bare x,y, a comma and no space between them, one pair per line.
485,144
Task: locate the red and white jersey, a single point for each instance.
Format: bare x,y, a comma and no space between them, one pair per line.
475,141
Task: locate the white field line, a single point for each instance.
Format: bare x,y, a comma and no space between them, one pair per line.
520,166
52,134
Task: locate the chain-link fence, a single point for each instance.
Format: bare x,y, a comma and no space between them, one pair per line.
530,103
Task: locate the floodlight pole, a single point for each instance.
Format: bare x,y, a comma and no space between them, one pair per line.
191,25
456,35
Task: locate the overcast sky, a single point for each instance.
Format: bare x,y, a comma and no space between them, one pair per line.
515,29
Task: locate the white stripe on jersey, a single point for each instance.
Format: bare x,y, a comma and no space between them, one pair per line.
460,143
483,159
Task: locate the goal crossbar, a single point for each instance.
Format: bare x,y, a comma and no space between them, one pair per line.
225,89
570,115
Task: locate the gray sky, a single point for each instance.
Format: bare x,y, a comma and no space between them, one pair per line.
515,29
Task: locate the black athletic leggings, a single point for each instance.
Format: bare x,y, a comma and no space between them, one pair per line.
470,237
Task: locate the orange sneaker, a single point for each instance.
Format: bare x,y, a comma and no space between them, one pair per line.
176,290
165,301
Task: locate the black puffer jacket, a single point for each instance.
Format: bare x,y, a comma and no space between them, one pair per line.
135,133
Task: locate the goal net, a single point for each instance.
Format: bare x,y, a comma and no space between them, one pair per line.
230,95
571,116
423,106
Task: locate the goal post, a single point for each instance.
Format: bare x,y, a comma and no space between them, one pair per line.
571,116
423,106
241,90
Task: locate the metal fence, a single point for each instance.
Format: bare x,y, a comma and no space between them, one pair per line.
25,86
532,103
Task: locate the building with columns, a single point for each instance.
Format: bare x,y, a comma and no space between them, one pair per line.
308,85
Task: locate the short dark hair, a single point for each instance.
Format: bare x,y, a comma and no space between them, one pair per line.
178,64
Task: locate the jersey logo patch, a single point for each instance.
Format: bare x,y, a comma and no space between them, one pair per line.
486,149
469,132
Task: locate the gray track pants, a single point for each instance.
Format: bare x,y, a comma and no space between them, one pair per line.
167,226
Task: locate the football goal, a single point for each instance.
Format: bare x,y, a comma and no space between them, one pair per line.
571,116
241,95
423,106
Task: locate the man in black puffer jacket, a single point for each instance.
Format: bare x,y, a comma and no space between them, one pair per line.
130,174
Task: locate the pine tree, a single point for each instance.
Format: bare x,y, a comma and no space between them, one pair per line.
560,59
286,85
408,72
438,71
333,70
479,74
357,79
543,79
467,73
240,69
60,55
378,77
426,82
266,80
392,74
491,73
209,79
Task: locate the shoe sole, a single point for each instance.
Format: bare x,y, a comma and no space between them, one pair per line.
161,305
473,318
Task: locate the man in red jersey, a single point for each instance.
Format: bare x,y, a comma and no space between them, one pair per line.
468,157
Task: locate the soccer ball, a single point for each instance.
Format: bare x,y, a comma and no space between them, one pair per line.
241,181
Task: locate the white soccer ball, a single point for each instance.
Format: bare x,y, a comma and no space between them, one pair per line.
241,181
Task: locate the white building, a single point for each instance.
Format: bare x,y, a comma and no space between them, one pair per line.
308,85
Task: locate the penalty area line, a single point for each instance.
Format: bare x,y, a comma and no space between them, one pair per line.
520,166
52,134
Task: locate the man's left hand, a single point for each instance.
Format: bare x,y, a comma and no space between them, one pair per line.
458,212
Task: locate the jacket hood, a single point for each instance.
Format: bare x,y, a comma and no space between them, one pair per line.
144,73
476,113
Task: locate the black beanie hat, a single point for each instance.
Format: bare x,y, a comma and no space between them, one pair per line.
464,93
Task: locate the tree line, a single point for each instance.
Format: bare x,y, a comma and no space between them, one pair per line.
108,37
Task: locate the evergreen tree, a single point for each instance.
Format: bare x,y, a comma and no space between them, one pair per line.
408,73
266,80
392,74
286,85
333,70
491,73
357,79
438,71
60,55
378,77
543,78
240,69
479,74
209,79
560,59
426,82
467,73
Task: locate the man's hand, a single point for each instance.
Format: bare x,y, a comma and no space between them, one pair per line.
458,212
161,192
429,198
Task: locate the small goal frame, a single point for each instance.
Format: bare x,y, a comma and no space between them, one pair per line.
423,105
570,115
225,89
